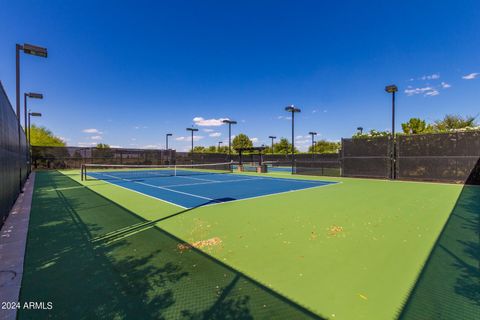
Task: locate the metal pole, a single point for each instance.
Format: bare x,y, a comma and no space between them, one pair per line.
272,145
17,88
230,141
25,110
29,129
313,148
393,136
166,136
192,145
29,141
293,141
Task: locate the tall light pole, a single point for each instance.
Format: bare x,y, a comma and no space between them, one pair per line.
31,114
229,122
25,96
313,134
293,110
166,138
360,130
273,138
192,130
32,50
219,143
392,89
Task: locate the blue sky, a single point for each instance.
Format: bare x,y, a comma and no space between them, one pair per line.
125,73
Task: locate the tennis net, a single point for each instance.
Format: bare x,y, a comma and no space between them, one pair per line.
133,172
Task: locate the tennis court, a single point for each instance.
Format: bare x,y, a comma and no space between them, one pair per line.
194,186
176,243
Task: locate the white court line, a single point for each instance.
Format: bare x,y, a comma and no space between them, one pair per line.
144,194
163,188
212,182
194,178
273,194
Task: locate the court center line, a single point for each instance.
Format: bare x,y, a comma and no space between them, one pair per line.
212,182
200,179
144,194
273,194
163,188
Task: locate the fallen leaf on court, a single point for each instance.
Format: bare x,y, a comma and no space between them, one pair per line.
200,244
334,230
362,296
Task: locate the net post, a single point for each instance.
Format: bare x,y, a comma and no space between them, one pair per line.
81,172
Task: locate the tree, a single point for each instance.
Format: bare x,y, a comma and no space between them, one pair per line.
371,134
102,146
415,126
453,122
283,147
41,136
241,141
199,149
211,149
222,149
323,146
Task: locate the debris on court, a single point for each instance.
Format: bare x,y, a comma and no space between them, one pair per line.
334,230
199,244
362,296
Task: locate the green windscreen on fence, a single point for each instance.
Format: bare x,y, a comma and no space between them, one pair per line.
13,155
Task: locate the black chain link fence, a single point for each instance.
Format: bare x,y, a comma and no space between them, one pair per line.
367,157
451,157
446,157
14,156
74,157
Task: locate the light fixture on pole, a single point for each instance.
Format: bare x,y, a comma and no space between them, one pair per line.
32,50
31,114
25,96
313,134
273,138
229,122
293,110
219,143
166,138
192,130
360,130
392,89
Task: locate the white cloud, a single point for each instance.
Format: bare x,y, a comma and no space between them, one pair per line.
284,118
195,138
471,76
151,146
199,121
215,134
427,91
254,140
432,93
314,111
134,139
445,85
208,130
116,146
140,127
96,138
434,76
92,130
86,144
64,139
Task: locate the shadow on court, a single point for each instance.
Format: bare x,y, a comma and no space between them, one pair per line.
449,285
94,259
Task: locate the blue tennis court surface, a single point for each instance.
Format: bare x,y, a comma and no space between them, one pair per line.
189,191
